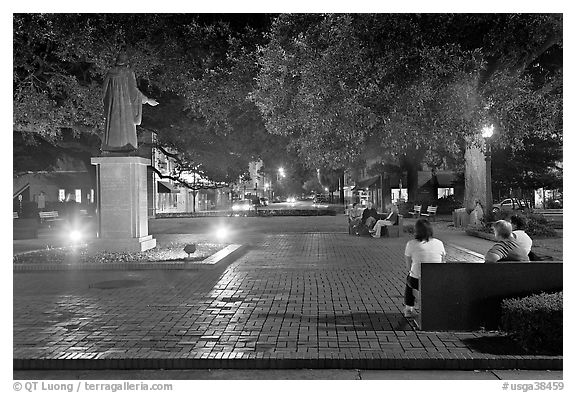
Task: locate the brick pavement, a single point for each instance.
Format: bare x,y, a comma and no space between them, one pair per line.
297,300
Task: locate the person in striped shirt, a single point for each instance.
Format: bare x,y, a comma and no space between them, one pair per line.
507,247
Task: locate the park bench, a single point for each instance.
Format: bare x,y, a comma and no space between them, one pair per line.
430,212
14,214
467,296
416,212
49,217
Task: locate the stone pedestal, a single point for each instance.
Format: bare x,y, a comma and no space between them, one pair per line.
123,204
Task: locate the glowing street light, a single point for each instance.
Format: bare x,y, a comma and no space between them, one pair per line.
487,132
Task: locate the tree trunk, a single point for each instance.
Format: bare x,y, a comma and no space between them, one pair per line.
412,163
342,189
474,177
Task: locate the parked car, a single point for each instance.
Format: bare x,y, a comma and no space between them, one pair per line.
264,201
509,204
243,206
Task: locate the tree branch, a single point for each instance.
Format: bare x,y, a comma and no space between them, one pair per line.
194,187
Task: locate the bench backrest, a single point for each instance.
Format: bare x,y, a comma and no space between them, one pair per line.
417,208
467,296
52,214
431,209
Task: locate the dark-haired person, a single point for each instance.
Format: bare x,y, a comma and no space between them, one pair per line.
507,247
354,218
369,216
518,225
424,248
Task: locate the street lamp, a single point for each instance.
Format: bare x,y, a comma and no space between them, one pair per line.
487,133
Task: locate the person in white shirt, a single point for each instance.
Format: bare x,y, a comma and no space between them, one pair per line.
380,226
424,248
522,238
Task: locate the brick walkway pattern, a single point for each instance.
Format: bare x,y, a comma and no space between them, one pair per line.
296,300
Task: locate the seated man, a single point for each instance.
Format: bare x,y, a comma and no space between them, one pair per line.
507,247
381,225
369,216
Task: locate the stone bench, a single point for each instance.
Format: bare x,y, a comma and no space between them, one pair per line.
396,230
467,296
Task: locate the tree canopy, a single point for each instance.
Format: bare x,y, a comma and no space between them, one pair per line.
409,87
321,91
199,67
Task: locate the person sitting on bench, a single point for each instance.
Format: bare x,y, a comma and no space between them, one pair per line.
354,217
381,225
507,247
518,224
369,216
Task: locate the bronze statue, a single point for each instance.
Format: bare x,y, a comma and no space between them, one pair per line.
122,107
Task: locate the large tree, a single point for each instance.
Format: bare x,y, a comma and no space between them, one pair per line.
200,68
408,88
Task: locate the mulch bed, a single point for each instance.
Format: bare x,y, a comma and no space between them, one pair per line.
82,255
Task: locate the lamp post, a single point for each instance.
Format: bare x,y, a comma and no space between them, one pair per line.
487,133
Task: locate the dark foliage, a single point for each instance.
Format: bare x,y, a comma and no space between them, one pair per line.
535,322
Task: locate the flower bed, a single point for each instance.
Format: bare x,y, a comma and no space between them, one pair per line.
82,255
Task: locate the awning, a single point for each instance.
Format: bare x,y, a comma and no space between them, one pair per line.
21,190
366,183
166,188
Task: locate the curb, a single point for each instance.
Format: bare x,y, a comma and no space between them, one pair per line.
260,360
227,254
466,250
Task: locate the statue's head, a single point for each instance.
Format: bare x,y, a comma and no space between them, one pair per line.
122,59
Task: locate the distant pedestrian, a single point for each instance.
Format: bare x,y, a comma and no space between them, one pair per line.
41,201
424,248
507,247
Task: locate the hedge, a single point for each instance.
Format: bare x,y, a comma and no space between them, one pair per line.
535,321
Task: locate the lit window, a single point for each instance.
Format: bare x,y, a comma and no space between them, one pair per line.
398,194
61,195
78,196
445,192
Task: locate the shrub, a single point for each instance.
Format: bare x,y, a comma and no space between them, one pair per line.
404,208
446,205
535,322
536,224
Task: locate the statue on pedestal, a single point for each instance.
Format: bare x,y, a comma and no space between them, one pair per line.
122,107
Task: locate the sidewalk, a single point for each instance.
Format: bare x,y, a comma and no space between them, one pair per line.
293,300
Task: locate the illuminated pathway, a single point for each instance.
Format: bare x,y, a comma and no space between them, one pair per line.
300,300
